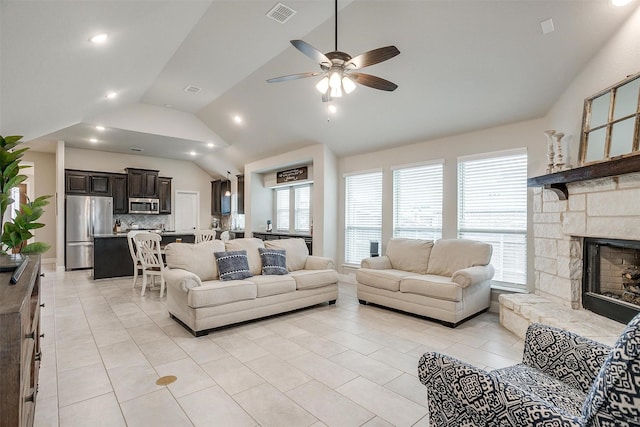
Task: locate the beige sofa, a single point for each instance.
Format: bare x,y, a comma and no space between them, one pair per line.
200,301
448,281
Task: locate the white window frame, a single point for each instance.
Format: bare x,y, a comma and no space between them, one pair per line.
291,227
503,222
418,194
359,231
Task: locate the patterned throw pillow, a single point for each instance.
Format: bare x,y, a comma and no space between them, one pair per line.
274,261
233,265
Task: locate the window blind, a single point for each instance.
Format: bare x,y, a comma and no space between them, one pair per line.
417,202
492,207
302,208
363,216
282,209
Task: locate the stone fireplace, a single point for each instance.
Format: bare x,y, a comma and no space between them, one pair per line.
604,209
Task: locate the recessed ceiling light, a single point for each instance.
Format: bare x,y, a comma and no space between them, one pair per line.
93,140
547,26
237,119
211,145
111,95
193,153
332,108
100,128
99,38
620,3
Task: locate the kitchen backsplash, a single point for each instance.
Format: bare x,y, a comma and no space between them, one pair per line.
144,221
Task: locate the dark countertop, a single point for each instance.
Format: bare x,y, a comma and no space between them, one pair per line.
163,233
275,233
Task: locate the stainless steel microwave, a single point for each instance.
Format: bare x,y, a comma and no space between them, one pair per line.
144,206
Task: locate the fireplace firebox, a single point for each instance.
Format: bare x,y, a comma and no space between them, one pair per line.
611,278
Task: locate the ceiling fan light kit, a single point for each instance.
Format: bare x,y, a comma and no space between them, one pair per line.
339,68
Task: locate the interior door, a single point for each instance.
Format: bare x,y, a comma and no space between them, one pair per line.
187,208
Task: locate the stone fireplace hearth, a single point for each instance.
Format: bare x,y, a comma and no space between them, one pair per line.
603,208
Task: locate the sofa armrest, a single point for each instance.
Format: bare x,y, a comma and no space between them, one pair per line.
319,263
461,394
182,280
376,263
473,275
569,357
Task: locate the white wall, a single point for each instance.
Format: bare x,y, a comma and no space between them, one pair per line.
617,59
186,175
526,134
44,171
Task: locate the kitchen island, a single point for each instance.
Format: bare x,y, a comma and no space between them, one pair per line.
111,257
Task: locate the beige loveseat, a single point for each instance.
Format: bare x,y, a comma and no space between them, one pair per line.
200,301
448,281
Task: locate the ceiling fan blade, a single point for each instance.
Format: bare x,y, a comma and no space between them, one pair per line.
373,81
293,77
310,51
373,57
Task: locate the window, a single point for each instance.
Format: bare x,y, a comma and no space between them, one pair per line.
282,209
293,207
302,213
417,201
492,207
363,216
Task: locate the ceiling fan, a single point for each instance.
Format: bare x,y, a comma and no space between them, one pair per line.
340,69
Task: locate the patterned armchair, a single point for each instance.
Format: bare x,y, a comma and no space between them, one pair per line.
563,380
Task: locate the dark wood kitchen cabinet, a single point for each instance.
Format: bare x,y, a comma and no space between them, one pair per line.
120,199
88,183
142,183
220,204
20,338
164,190
76,182
240,194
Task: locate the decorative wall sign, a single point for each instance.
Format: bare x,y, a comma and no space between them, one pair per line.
292,175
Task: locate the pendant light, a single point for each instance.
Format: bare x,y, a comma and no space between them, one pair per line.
228,192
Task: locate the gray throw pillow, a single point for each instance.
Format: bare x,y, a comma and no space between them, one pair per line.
274,261
233,265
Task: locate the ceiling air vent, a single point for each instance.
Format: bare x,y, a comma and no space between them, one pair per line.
192,89
137,150
281,13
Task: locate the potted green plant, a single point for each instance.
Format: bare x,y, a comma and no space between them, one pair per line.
16,232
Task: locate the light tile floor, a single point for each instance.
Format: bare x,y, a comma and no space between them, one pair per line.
344,364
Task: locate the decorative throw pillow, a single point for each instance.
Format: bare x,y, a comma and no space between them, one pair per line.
274,261
233,265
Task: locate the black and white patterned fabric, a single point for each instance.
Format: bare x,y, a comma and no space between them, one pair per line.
274,261
614,399
233,265
550,388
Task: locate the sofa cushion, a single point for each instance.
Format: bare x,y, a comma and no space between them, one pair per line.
297,251
409,254
217,292
451,255
383,279
273,285
429,285
274,261
198,259
250,245
233,265
308,279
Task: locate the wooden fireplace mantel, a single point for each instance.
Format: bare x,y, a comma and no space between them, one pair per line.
558,181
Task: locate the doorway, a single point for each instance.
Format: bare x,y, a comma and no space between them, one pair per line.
187,208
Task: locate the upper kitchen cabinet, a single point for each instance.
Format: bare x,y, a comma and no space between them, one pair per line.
164,185
240,194
88,183
220,203
76,182
142,183
119,188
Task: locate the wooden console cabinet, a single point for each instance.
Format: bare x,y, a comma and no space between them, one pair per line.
19,345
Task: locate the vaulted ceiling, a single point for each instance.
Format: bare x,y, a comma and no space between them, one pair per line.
464,65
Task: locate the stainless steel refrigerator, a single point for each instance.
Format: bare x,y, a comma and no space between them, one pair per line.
86,216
